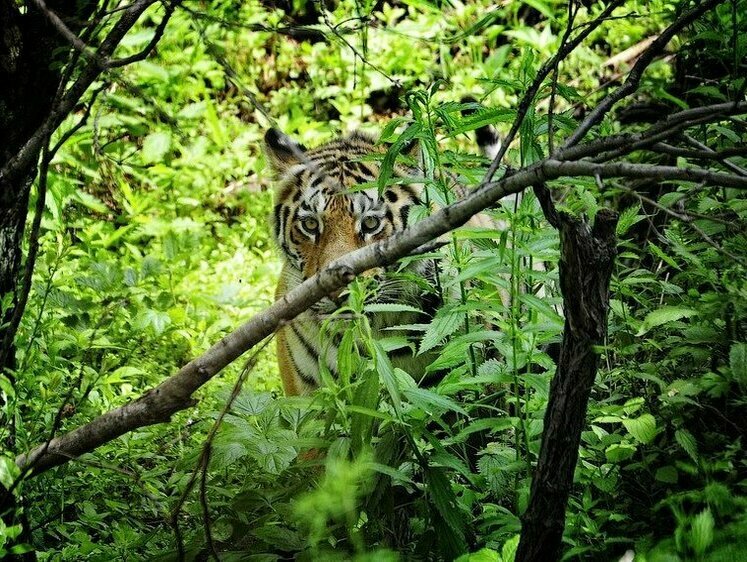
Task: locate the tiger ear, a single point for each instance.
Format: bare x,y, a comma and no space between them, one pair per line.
282,151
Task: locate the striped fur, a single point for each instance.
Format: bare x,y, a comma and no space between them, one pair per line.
321,213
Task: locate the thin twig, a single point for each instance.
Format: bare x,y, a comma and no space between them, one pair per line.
65,31
203,462
233,76
298,32
634,77
714,154
556,168
554,84
686,218
694,154
531,92
143,54
325,16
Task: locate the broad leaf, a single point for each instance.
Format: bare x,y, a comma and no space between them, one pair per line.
665,315
642,428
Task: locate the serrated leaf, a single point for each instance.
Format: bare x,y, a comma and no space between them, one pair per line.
387,164
156,319
387,376
642,428
483,117
91,202
393,473
443,498
701,532
388,132
491,425
508,552
251,403
6,386
366,398
687,442
225,452
273,456
427,400
663,316
659,253
444,324
628,218
276,535
498,468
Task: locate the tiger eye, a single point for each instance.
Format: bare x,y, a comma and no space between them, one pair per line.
371,223
310,224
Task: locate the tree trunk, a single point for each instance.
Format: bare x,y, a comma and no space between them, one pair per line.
586,260
31,56
32,53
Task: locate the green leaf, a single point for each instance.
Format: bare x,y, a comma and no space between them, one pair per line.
659,253
664,315
491,425
6,386
156,319
687,442
701,532
667,474
545,9
274,456
386,373
387,164
427,400
642,428
367,398
738,362
619,452
91,202
393,473
443,498
628,218
445,323
508,552
484,555
155,147
390,307
22,548
9,471
484,117
251,403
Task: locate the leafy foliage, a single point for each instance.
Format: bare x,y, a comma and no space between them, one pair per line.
155,243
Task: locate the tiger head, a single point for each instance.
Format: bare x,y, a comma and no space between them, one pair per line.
327,204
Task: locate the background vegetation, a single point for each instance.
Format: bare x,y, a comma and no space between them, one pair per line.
155,243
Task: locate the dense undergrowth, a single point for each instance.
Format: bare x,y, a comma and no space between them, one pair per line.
155,242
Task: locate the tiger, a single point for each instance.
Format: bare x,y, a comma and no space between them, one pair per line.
323,208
